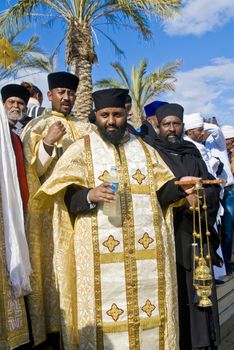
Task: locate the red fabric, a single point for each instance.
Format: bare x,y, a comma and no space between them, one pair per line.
17,146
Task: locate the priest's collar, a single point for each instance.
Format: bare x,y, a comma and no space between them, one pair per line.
51,112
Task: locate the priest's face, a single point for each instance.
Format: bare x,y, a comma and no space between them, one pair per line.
196,134
62,100
15,109
171,128
111,123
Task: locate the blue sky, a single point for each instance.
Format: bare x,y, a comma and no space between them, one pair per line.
201,35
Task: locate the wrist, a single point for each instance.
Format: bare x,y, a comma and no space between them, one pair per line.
48,142
92,205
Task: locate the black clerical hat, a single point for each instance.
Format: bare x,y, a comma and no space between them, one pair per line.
15,90
169,109
110,98
63,80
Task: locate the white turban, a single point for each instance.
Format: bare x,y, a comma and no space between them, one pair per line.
192,121
228,131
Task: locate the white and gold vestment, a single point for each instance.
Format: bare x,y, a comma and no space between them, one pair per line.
116,276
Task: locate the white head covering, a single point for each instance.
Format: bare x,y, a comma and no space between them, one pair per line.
192,121
228,131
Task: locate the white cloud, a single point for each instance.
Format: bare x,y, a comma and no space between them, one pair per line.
200,16
30,75
208,90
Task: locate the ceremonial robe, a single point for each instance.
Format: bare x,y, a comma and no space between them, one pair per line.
116,276
44,299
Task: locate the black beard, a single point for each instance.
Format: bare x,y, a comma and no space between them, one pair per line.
113,137
174,140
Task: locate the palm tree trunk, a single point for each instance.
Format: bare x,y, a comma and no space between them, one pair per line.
84,103
81,55
138,118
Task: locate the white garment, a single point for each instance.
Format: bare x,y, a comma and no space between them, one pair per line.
216,147
33,102
17,255
211,162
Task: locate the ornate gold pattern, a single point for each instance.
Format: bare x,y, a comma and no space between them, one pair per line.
108,258
130,261
128,272
44,300
148,308
104,176
111,243
96,252
122,326
146,240
138,176
114,312
140,189
159,246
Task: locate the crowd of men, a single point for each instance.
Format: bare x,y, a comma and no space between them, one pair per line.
73,277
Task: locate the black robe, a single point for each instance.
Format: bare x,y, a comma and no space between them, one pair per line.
199,327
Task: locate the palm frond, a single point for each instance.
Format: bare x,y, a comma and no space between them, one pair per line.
118,50
109,83
122,74
16,15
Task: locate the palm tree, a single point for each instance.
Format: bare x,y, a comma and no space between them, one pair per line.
83,19
27,56
143,87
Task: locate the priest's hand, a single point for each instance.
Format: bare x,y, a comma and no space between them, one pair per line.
101,193
55,132
193,200
189,189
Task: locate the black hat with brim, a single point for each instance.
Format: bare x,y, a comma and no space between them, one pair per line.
15,90
107,98
63,80
169,109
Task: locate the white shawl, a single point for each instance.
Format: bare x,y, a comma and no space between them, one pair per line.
17,254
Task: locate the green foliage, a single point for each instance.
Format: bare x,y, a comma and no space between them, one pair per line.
93,14
29,54
143,86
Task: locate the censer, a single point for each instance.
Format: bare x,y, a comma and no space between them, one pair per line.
202,265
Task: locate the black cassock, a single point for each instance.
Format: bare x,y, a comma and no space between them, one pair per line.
199,327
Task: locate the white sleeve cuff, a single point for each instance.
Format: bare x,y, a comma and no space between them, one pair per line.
43,159
91,205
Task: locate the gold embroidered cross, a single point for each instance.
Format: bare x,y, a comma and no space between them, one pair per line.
115,312
138,176
104,176
111,243
148,308
146,240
